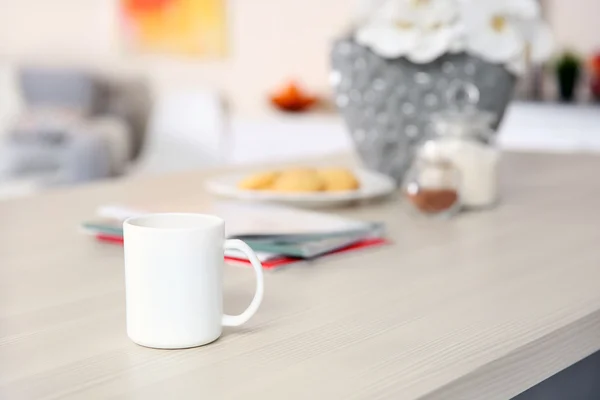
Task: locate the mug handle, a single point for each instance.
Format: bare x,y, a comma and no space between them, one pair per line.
237,320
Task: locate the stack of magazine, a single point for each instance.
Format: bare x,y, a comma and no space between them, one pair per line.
280,236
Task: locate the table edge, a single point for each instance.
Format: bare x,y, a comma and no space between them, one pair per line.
528,365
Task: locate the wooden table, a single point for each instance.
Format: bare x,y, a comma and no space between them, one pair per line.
483,306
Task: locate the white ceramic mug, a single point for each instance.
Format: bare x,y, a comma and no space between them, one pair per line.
173,279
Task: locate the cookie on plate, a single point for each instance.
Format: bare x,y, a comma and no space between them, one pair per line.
259,181
298,180
338,179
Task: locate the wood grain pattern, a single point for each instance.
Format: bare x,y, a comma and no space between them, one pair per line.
483,306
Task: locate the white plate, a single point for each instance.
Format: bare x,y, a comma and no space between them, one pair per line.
372,185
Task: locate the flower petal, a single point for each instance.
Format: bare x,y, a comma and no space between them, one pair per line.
496,46
386,40
437,12
527,9
459,41
517,65
421,14
431,45
475,15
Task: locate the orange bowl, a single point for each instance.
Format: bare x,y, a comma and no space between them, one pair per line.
293,99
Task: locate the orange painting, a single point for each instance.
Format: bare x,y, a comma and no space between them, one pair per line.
188,27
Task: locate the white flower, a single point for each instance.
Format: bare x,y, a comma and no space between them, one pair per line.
420,30
507,31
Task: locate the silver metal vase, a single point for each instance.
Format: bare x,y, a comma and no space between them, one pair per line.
387,104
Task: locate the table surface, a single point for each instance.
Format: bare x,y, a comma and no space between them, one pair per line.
482,306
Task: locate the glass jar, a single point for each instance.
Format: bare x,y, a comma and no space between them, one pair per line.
465,139
432,185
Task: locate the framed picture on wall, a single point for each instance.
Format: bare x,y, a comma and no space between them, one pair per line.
178,27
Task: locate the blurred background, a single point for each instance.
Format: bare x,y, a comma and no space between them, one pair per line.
97,89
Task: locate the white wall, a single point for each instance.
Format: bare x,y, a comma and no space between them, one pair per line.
575,24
